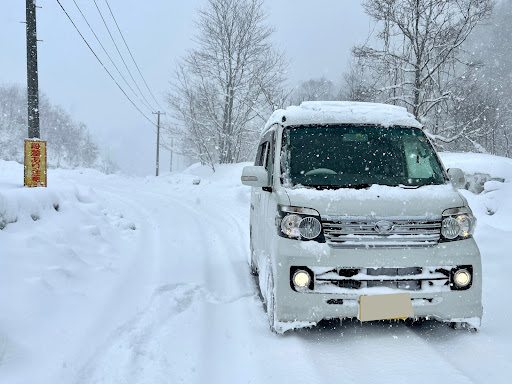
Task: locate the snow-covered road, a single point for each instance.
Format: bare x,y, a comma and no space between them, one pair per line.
176,303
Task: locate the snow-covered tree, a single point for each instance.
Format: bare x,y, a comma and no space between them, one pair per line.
357,84
228,83
418,60
490,46
314,90
12,122
69,143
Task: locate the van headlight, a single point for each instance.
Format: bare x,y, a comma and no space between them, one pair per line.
310,227
290,225
458,224
299,223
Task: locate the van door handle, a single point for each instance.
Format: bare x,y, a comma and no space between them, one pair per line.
252,207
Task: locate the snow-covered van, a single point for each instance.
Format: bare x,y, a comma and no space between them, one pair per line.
354,216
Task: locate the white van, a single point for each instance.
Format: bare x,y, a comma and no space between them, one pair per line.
353,214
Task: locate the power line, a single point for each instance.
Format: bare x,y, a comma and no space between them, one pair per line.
126,44
110,58
105,68
118,51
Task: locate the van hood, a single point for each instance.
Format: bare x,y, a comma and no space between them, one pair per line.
378,200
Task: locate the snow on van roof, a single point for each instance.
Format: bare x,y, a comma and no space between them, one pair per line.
342,112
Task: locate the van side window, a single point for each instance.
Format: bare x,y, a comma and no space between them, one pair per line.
266,155
268,159
269,164
261,155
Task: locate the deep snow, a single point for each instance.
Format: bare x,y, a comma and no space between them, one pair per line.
111,279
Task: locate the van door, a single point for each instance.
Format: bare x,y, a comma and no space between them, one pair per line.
268,207
256,195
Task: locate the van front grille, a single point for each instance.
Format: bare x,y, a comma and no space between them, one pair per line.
364,280
383,232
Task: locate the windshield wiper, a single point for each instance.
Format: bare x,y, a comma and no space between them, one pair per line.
348,186
404,186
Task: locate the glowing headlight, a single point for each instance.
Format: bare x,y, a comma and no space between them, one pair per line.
290,225
301,279
458,222
299,223
465,225
462,278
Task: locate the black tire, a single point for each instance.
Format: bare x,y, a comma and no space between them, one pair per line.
271,303
463,326
254,268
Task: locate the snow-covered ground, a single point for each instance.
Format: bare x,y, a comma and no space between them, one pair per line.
111,279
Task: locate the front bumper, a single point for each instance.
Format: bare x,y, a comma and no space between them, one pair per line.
436,302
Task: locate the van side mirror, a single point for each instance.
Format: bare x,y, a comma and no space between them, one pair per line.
255,176
457,177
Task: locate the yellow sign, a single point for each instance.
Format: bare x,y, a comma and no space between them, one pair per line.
35,163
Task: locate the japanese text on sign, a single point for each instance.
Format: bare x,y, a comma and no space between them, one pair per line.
35,163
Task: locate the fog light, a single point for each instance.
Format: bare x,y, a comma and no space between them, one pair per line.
301,279
462,278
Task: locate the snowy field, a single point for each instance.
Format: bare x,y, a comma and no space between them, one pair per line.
110,279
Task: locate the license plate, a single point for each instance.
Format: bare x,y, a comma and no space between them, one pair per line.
385,307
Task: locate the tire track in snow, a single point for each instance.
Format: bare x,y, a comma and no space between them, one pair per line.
226,274
136,334
130,354
128,298
401,354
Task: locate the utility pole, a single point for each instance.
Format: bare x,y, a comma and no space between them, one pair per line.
158,140
32,75
35,169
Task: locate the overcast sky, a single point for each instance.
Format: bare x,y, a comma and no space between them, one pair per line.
315,35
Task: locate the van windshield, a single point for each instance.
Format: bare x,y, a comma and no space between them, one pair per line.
357,157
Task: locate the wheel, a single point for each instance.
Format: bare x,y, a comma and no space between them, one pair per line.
254,268
274,325
271,303
463,325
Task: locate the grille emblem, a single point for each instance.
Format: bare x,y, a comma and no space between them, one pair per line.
383,227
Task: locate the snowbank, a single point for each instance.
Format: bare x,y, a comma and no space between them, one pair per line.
474,163
60,249
489,184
